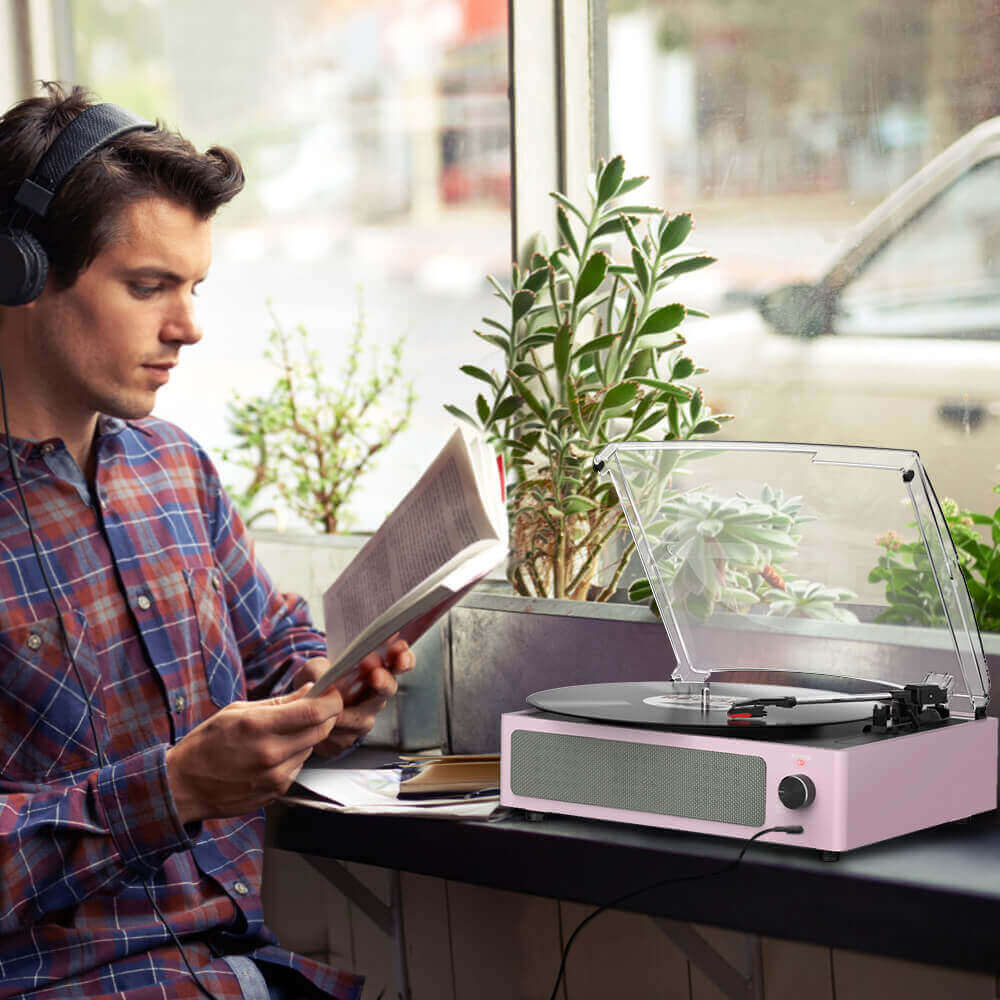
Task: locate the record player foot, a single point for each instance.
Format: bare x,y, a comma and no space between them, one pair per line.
829,855
533,817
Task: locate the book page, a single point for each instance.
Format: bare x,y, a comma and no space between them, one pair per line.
439,519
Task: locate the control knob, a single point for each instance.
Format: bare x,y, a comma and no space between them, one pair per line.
796,791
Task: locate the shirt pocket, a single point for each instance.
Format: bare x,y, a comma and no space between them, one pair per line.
45,726
219,651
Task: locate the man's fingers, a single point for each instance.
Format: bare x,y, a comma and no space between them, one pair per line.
399,657
380,680
360,718
284,699
297,712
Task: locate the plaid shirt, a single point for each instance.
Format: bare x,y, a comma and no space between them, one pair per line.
169,617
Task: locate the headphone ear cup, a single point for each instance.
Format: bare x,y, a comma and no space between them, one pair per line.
24,268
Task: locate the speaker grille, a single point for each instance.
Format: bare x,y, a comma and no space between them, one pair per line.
645,777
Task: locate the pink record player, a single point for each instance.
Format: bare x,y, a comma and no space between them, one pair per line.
829,670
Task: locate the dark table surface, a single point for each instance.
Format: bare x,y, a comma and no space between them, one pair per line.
932,896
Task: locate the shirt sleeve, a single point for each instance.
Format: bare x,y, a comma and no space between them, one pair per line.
61,843
274,631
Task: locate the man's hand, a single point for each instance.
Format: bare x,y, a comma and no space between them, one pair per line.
248,753
364,692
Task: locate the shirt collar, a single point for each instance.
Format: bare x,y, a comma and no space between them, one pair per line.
26,450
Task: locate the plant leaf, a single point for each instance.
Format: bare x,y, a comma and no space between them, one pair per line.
619,396
641,269
560,350
491,338
536,281
663,319
576,504
591,276
684,266
695,405
566,231
675,232
461,414
536,340
528,396
483,408
479,373
500,290
676,391
683,368
609,228
521,303
597,344
566,203
706,427
611,179
632,183
496,324
506,407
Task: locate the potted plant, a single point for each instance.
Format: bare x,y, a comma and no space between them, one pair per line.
593,352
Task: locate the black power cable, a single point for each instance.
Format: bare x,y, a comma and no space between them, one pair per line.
656,885
101,759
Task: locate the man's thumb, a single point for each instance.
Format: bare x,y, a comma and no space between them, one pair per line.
295,695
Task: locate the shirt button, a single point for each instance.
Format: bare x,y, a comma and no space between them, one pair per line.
179,702
34,641
241,888
216,583
48,448
144,602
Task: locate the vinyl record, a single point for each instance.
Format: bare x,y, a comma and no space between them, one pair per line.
666,705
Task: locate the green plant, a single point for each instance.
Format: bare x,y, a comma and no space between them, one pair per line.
310,439
910,588
591,355
733,553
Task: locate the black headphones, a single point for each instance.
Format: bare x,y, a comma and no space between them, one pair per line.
24,265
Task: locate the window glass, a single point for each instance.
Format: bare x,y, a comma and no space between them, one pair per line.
940,274
374,135
781,126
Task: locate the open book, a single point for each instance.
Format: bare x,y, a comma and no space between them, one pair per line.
445,535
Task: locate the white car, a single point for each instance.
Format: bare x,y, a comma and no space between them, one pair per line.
896,345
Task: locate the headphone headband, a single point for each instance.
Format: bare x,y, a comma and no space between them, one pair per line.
87,132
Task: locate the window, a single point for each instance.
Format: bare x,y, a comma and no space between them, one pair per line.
940,275
781,125
375,140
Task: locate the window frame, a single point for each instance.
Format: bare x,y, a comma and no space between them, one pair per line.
558,107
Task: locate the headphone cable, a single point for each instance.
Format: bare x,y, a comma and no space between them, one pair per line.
101,759
728,867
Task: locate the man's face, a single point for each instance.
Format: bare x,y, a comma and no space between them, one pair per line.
107,343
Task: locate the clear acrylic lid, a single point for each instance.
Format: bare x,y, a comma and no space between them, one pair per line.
818,559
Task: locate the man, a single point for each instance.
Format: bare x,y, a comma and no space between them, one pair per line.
152,681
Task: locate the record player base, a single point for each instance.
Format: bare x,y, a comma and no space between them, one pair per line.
864,789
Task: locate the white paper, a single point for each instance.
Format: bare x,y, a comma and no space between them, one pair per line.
373,790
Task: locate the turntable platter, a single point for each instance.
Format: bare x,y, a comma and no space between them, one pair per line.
665,705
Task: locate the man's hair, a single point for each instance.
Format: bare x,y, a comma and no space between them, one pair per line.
85,215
